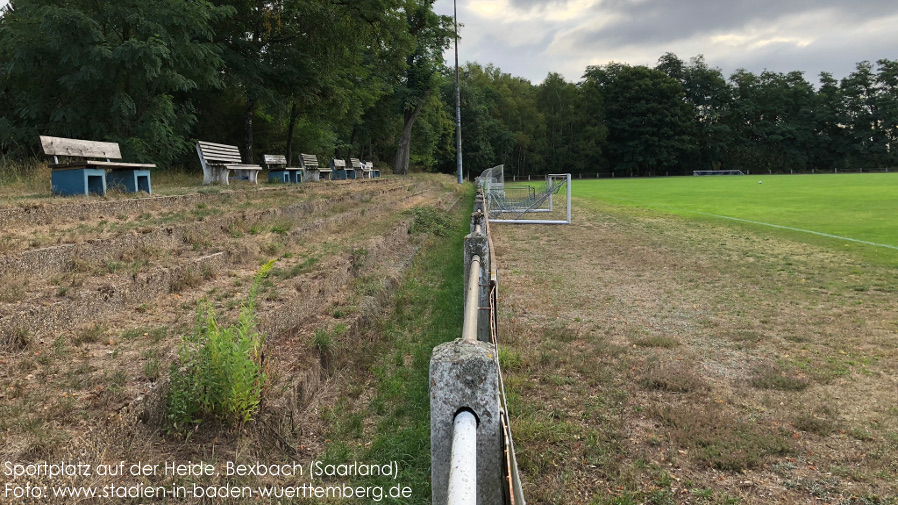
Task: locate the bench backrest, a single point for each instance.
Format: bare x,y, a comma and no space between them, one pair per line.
356,163
219,153
58,146
309,161
338,164
275,159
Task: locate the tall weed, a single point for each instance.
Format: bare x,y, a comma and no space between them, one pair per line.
219,373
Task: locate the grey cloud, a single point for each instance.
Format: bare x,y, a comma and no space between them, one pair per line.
646,29
653,21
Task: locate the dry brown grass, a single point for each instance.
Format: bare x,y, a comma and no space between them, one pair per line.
94,389
751,373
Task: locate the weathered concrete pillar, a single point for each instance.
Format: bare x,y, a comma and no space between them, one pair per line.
477,218
465,376
477,244
479,201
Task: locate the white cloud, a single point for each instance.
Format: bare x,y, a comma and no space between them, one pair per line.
532,38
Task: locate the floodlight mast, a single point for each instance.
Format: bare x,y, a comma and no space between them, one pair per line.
457,100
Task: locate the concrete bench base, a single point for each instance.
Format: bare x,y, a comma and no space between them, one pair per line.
79,181
285,176
339,174
131,181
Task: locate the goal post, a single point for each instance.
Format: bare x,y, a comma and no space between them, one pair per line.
536,202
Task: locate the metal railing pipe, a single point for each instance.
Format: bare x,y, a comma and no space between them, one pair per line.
472,301
463,467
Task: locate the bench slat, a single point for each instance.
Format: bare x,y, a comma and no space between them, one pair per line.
275,159
236,166
58,146
219,152
112,165
309,161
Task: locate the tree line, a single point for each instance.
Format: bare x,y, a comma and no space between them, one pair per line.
366,78
680,116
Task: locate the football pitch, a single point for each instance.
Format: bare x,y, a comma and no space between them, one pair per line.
857,210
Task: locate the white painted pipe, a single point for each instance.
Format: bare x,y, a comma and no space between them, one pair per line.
463,464
472,302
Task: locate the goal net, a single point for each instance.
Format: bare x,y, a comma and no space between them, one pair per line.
532,202
717,172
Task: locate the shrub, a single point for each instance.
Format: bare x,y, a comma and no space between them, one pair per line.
219,372
429,220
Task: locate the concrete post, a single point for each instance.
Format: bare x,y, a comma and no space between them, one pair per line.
477,218
478,202
465,376
477,244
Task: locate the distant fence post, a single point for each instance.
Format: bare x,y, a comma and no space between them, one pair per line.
479,205
478,219
464,376
477,244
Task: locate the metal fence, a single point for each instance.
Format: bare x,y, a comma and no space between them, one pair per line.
472,450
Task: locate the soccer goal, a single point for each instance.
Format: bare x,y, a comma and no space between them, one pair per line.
717,172
533,202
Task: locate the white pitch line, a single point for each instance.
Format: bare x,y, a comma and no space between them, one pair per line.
812,232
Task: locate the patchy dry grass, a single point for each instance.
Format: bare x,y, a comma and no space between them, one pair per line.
762,370
87,385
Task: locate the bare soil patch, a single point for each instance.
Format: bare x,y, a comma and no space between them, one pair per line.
656,359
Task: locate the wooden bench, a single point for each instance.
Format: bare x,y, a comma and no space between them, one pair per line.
219,159
313,172
368,170
357,169
339,168
83,175
278,171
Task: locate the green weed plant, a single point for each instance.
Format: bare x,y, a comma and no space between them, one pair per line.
219,373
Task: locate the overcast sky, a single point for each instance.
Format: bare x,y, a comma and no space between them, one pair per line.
530,38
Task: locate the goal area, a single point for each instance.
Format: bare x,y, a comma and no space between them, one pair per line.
526,202
717,172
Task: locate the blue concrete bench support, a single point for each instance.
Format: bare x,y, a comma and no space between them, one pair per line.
79,181
285,176
129,180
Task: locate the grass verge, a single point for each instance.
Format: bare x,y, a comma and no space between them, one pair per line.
393,424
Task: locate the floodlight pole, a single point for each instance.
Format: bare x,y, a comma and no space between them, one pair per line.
457,100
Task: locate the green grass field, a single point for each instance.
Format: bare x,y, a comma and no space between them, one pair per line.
861,207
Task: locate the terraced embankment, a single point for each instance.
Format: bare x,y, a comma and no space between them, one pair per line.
97,293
